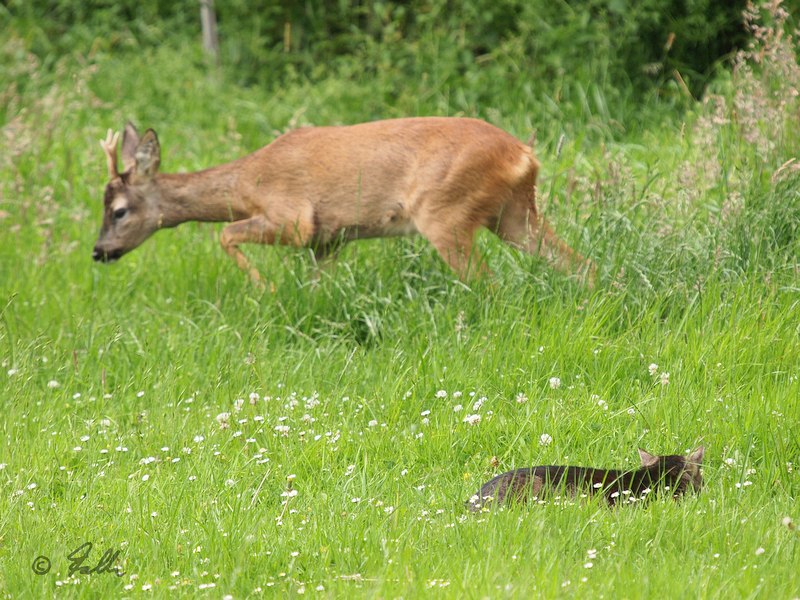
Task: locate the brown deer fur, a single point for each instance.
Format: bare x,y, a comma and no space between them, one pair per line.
322,186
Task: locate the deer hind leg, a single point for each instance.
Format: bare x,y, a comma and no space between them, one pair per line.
521,227
260,230
455,245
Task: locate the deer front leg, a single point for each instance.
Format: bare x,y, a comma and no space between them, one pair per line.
255,230
260,230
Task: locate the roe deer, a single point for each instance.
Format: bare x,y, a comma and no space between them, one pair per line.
323,186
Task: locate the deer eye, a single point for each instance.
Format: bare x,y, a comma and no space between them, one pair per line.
120,212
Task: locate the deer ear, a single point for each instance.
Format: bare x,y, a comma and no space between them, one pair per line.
648,460
130,139
696,457
148,155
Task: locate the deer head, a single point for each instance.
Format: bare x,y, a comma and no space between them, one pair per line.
131,198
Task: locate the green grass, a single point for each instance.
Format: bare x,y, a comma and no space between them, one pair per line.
113,377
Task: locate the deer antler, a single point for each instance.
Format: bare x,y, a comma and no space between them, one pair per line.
109,146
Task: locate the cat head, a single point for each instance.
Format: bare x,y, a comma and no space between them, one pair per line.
679,472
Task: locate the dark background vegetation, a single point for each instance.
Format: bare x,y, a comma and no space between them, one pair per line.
637,43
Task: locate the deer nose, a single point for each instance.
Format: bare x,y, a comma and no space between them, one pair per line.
97,254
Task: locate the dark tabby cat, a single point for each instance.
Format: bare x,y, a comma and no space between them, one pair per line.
673,473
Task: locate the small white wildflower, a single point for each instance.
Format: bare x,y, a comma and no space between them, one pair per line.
145,477
472,419
653,369
230,483
554,382
373,423
458,408
355,500
12,372
53,384
253,397
760,551
588,565
282,429
476,406
545,439
521,398
198,439
664,379
238,404
289,493
139,394
441,394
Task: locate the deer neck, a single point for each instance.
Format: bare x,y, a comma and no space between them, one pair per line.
209,195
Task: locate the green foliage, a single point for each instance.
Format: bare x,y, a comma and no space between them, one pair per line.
619,42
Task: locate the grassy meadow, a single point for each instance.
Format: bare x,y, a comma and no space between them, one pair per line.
315,439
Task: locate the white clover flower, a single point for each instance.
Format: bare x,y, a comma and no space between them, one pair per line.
653,369
472,419
760,551
545,439
458,408
554,382
521,398
53,384
664,378
441,394
373,423
282,429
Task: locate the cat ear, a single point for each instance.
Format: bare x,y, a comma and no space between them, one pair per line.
696,457
648,460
